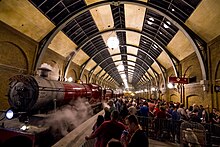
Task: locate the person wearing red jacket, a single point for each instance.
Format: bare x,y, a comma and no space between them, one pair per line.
108,130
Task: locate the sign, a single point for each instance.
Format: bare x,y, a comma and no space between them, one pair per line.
178,80
217,88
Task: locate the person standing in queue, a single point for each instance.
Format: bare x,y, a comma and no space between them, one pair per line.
138,136
99,121
108,130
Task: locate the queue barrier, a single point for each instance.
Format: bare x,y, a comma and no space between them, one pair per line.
202,134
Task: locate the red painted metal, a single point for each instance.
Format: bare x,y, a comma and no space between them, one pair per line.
178,80
37,93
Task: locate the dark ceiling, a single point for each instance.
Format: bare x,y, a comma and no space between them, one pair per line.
155,26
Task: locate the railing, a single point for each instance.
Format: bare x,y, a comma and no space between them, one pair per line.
205,134
202,135
77,137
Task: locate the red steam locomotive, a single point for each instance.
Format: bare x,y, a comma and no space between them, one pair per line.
30,94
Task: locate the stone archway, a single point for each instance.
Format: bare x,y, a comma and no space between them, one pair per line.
13,61
192,99
93,80
13,58
84,79
72,73
174,98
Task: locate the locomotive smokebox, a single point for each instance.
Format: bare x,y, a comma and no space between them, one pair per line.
23,92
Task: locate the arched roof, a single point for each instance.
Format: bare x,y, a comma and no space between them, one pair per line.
158,29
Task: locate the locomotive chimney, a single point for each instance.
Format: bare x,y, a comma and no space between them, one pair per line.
43,71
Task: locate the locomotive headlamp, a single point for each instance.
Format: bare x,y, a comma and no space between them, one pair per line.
9,114
24,127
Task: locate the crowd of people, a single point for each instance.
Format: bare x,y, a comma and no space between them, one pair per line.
120,125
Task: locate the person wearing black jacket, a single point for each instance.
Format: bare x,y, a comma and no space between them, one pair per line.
138,137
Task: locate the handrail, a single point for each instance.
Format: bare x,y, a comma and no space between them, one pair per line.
77,136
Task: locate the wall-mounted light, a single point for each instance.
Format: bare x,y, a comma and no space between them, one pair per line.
170,85
70,79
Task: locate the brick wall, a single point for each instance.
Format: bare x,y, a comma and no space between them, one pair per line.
194,92
214,70
16,57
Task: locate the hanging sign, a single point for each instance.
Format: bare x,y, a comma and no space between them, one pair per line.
178,80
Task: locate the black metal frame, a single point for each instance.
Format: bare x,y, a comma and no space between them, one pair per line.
91,72
162,8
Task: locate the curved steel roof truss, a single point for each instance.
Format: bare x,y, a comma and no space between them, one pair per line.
198,44
83,68
91,72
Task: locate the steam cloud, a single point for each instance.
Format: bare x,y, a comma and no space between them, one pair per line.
69,117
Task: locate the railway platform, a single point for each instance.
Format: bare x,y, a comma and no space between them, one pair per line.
76,137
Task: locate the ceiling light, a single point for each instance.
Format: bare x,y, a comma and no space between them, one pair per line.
168,23
123,76
125,80
151,18
165,26
113,42
173,9
120,67
149,22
